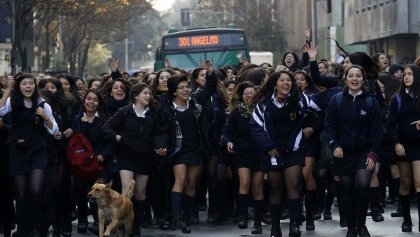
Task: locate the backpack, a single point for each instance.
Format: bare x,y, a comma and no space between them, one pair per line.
81,157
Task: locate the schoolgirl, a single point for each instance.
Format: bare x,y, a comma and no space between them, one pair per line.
30,116
187,126
89,121
242,144
404,114
138,135
276,124
353,130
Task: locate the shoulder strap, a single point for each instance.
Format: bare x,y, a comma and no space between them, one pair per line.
398,97
338,99
369,102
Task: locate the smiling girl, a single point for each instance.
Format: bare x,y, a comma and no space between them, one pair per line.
30,117
353,131
139,136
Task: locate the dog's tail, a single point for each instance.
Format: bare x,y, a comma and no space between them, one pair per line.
130,189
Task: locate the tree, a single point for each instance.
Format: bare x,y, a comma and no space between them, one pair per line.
258,18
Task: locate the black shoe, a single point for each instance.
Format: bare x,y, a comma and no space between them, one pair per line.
186,229
211,219
94,228
397,213
257,229
176,224
362,231
317,215
294,230
56,233
327,215
243,222
195,220
284,214
377,216
66,234
163,224
310,225
275,233
82,226
147,220
351,232
407,226
266,218
390,200
35,233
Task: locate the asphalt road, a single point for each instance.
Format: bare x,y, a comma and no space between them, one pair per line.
390,227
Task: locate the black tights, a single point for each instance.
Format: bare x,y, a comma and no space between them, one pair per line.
355,197
29,206
62,187
291,177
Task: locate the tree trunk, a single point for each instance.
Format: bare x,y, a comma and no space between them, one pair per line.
83,58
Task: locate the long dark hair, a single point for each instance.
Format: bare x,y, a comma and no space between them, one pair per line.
365,86
49,97
193,77
268,88
16,97
137,89
390,85
102,108
370,68
415,88
73,86
156,82
59,96
237,97
107,89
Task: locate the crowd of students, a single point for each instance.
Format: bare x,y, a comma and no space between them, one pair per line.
287,137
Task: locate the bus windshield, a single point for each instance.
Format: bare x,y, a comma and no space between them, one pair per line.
219,59
189,49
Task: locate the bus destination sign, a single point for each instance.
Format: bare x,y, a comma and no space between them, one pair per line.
203,41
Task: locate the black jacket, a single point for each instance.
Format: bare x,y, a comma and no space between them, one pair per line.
139,136
401,115
353,126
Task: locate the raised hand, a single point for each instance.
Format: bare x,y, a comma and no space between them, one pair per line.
113,64
312,50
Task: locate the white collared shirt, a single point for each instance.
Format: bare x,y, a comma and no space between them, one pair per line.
96,114
276,102
140,115
181,108
47,109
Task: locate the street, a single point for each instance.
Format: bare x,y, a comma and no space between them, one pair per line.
390,227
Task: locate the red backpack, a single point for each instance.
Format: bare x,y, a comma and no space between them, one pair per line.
81,158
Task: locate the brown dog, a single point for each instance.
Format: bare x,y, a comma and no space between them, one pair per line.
114,207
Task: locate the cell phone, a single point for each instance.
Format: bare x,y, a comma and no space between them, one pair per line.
339,58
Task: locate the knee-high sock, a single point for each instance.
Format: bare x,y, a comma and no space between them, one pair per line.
405,204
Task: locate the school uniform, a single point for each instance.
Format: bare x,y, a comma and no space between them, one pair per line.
401,115
140,135
246,152
25,124
356,128
278,125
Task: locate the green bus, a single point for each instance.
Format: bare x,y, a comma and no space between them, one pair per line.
189,49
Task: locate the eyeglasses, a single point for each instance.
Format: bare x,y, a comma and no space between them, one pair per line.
188,87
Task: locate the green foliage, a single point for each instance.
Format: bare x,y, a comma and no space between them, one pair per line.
98,54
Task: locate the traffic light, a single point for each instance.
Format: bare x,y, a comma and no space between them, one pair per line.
185,16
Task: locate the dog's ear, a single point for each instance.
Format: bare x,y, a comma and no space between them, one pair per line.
107,186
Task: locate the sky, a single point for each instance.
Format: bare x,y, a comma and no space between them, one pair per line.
163,5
